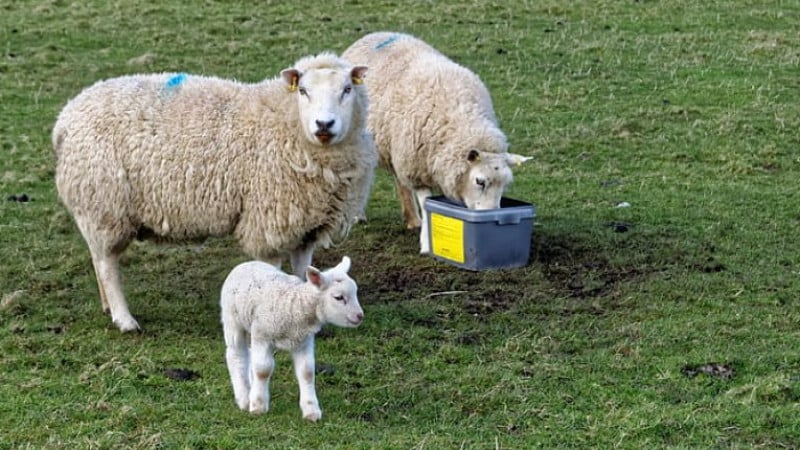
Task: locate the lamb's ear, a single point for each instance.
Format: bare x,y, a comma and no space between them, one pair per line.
315,277
516,160
473,156
344,266
357,74
291,77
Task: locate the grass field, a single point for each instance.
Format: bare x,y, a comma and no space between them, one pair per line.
689,111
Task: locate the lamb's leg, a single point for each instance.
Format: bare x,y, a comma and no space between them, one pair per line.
301,259
408,206
303,360
262,363
236,356
424,239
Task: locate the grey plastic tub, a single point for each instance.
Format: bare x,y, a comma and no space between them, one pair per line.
480,239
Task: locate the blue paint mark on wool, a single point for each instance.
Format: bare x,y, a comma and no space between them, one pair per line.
176,81
386,43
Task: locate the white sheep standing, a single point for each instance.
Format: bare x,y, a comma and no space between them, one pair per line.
434,126
284,165
264,309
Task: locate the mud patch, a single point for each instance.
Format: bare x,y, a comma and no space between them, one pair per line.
180,374
716,370
582,272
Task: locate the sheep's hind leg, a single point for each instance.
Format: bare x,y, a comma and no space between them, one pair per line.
408,206
303,360
112,298
106,249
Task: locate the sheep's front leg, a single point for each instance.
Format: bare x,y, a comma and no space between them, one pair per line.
424,239
301,259
303,360
262,363
407,206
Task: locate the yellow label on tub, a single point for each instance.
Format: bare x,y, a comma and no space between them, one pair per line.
447,237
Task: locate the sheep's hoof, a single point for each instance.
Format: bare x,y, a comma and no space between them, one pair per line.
128,325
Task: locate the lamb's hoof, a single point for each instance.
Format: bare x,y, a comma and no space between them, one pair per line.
128,325
258,408
313,416
243,405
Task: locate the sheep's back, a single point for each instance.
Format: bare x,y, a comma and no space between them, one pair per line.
419,99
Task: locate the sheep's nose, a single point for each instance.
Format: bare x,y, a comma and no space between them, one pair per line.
325,125
360,316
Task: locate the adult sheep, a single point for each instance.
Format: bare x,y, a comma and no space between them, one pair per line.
434,126
284,165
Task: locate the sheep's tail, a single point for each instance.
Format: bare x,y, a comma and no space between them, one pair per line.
59,134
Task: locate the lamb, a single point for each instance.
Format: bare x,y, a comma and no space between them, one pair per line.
284,165
264,309
434,126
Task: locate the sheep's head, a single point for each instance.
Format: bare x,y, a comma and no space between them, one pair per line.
327,90
338,295
487,178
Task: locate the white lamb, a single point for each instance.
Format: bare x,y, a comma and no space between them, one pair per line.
434,126
264,309
284,165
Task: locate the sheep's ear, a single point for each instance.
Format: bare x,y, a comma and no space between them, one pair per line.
516,160
473,156
344,266
291,77
315,277
357,74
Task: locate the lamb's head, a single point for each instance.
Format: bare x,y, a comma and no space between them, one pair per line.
487,177
330,97
338,296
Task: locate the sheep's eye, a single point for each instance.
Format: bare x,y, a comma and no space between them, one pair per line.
346,91
339,298
302,91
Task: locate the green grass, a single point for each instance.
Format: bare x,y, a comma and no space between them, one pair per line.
687,110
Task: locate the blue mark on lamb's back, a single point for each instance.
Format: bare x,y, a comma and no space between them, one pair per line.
386,42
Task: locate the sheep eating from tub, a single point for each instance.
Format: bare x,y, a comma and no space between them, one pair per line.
434,126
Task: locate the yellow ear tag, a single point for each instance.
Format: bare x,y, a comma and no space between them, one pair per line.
358,80
519,163
293,86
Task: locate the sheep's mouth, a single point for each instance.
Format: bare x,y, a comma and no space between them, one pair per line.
324,137
354,323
